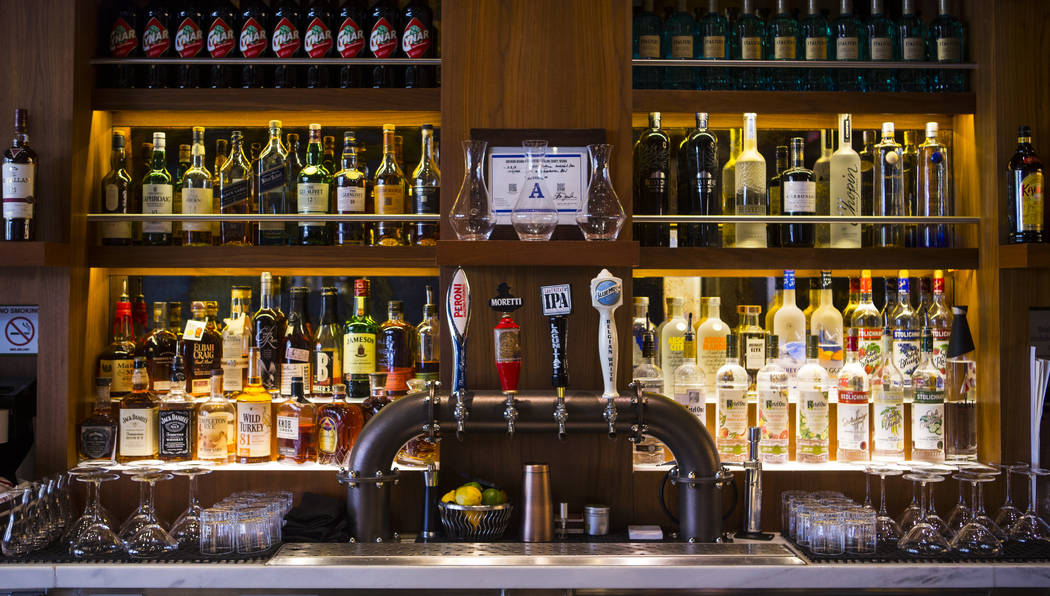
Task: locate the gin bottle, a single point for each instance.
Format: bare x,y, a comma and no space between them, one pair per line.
646,32
269,187
927,417
197,195
883,44
845,188
888,187
934,189
731,385
812,426
715,40
698,185
816,37
854,393
799,195
850,44
947,43
772,386
749,43
785,42
912,48
749,182
751,338
680,42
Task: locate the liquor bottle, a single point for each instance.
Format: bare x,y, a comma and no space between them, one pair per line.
317,41
19,183
185,161
749,186
672,338
749,43
816,36
887,395
752,339
296,424
234,192
338,424
799,192
778,301
313,191
772,385
328,153
890,302
688,378
140,166
812,426
714,41
934,190
417,33
394,350
775,195
116,186
729,187
139,315
822,176
175,418
947,42
189,41
350,195
235,340
285,42
297,351
854,393
888,187
854,302
201,350
698,185
159,348
912,48
850,44
785,41
883,44
428,341
389,192
269,187
268,329
813,297
138,419
124,43
1024,190
680,42
711,338
905,324
869,324
731,386
927,417
211,316
639,325
216,423
648,374
116,360
938,319
652,177
909,175
827,326
383,41
867,172
255,428
197,195
156,43
925,299
789,325
359,344
328,346
97,434
425,190
252,41
220,41
646,32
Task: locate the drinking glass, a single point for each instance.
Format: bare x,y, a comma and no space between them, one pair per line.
472,216
218,534
867,483
960,514
253,529
1030,527
786,498
143,514
535,216
860,530
827,535
886,529
17,539
932,517
1008,513
913,512
92,535
975,537
65,501
41,518
923,538
187,527
150,538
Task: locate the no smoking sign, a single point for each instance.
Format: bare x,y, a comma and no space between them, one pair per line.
18,329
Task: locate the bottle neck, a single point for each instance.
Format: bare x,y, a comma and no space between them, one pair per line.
328,309
313,150
239,306
714,311
21,139
124,327
797,156
750,141
297,310
159,161
361,305
389,158
139,379
268,300
116,159
254,372
427,155
102,397
349,157
845,133
395,314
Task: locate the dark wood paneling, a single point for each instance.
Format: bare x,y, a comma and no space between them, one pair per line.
34,254
1024,256
255,257
226,100
778,102
808,258
555,253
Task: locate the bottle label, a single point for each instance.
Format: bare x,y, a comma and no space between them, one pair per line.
792,355
648,46
948,49
784,48
122,39
313,200
415,40
750,48
799,197
327,435
350,40
252,39
889,422
812,415
682,46
254,424
881,48
906,350
96,441
327,370
19,188
846,48
288,427
233,194
846,396
712,356
853,425
175,432
714,47
212,434
426,199
359,353
390,198
869,350
914,49
296,369
138,432
156,199
189,39
155,39
232,379
829,349
773,420
383,39
285,42
120,373
754,352
220,39
197,201
317,40
732,419
693,399
272,180
927,420
1030,202
816,48
267,338
940,347
350,199
671,358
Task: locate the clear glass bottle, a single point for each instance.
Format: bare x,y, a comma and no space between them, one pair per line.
822,176
889,291
216,425
672,338
927,416
472,216
680,43
749,43
910,159
298,344
428,341
176,422
812,426
938,319
159,348
535,216
789,325
648,373
854,300
639,324
854,395
912,48
689,382
711,338
425,190
731,386
799,194
851,43
394,350
947,44
255,427
887,395
601,214
270,187
813,295
749,183
775,195
827,326
115,197
157,195
888,188
647,30
729,187
328,347
138,419
751,338
772,386
867,172
883,46
295,165
652,179
906,325
816,38
313,193
351,196
296,424
868,322
934,189
778,301
97,434
714,40
785,43
235,193
698,185
197,196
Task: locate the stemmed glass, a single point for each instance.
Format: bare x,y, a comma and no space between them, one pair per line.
143,513
923,538
913,512
886,529
1030,527
867,469
150,538
91,535
17,538
960,514
977,537
1008,513
41,519
932,517
187,528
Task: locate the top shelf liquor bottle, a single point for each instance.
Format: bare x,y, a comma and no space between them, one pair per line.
750,188
652,162
1024,182
19,184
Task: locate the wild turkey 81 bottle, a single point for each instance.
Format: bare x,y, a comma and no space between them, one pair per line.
19,183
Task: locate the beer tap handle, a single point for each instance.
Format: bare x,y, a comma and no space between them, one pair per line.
606,297
457,309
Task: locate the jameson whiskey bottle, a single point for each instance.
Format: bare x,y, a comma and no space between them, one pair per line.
159,349
389,192
359,344
428,340
234,193
351,196
313,189
197,195
255,429
425,190
268,327
269,175
157,195
328,347
97,434
394,351
115,362
201,350
19,183
298,343
138,419
116,189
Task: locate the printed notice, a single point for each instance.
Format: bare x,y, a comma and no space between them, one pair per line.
19,329
564,170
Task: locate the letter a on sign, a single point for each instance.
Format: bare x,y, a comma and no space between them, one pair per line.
536,192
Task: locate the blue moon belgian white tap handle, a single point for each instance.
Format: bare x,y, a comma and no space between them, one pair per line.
606,297
457,309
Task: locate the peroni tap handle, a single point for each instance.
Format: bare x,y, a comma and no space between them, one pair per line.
606,297
457,309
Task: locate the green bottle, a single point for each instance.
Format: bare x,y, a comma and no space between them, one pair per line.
312,193
359,344
157,196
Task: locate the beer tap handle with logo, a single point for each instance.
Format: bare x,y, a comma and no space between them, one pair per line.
457,309
557,305
606,297
506,337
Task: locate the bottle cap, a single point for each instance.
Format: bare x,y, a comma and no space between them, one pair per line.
931,130
361,287
158,140
315,127
388,128
275,124
118,140
887,129
427,127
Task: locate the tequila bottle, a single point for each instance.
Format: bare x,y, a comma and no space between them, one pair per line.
711,338
175,418
235,194
775,195
883,46
854,393
912,48
196,194
428,341
822,175
1024,189
869,325
680,43
97,434
934,189
812,427
138,419
905,324
698,185
268,328
270,181
938,319
389,193
255,428
157,196
749,43
646,33
714,41
425,190
827,326
298,344
296,425
216,425
887,394
351,196
947,43
115,198
752,339
689,381
850,44
731,386
888,187
927,416
312,193
749,183
328,346
799,193
789,325
201,351
816,38
652,179
159,348
772,386
672,338
359,344
785,42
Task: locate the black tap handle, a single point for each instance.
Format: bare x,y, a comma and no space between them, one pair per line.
560,364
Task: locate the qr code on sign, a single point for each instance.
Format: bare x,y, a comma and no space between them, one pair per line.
561,187
512,187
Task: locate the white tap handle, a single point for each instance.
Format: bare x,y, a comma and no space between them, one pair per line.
606,297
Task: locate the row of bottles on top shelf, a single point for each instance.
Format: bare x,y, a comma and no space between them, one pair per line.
861,355
274,180
884,179
785,35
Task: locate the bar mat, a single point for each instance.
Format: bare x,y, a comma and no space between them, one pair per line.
1012,552
57,554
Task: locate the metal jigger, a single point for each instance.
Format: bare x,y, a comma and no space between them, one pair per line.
506,336
606,297
557,304
457,309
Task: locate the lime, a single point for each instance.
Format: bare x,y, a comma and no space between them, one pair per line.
475,485
491,496
503,496
448,497
468,495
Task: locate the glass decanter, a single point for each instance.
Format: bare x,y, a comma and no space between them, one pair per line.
472,216
534,216
601,215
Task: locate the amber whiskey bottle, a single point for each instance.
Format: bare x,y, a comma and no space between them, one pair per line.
394,350
338,424
202,353
97,434
216,425
138,418
115,362
296,423
158,348
255,428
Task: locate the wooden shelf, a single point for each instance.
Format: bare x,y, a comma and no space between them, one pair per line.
1024,256
33,254
805,102
791,466
554,253
720,261
249,100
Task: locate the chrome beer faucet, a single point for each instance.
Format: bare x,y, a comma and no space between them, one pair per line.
457,309
606,297
753,489
557,305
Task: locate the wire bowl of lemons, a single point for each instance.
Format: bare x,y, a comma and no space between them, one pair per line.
472,512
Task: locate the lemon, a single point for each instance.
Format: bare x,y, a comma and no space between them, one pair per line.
468,495
491,496
448,497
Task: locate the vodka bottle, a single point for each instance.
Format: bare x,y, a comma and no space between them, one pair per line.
749,183
845,188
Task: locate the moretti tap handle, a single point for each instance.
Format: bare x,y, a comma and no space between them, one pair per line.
607,296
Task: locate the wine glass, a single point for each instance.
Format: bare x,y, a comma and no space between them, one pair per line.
150,539
867,468
142,514
92,535
932,517
17,537
960,514
1030,527
923,538
886,529
975,537
1008,513
187,528
913,512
